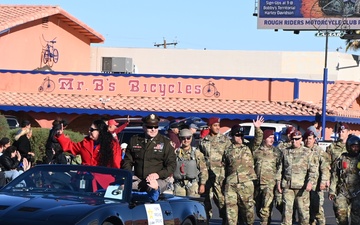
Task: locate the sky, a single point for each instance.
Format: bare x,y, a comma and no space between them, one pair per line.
199,24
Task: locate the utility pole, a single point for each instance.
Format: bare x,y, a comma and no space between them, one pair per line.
165,44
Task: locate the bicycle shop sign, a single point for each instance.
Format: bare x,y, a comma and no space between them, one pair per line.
136,86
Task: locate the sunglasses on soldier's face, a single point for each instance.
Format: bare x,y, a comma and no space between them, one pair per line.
152,127
185,138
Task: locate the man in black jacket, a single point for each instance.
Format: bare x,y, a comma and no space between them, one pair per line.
151,154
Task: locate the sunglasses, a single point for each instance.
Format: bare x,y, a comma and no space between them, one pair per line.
92,129
185,138
296,139
152,127
238,135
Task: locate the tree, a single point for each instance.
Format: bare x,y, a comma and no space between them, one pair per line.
353,40
4,127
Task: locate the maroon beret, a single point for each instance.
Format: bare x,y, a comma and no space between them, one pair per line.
343,126
213,120
307,134
296,134
268,133
290,129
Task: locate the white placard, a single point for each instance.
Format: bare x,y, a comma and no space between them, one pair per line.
154,214
114,192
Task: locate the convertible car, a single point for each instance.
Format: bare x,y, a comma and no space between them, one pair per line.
75,194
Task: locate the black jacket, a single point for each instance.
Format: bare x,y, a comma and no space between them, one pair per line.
152,156
23,146
8,163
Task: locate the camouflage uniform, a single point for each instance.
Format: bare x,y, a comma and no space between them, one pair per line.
334,152
266,161
317,195
190,186
297,168
345,185
239,188
213,148
278,196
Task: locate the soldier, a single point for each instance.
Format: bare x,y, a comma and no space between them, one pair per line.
239,175
213,146
152,155
336,149
323,179
345,183
281,146
190,169
295,179
287,141
266,161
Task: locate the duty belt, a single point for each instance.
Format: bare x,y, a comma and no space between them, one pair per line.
182,182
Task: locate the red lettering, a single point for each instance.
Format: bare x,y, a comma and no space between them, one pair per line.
162,89
145,88
66,83
188,89
99,84
79,85
197,89
171,88
112,86
152,87
134,85
179,90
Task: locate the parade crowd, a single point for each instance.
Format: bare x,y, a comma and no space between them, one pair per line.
243,180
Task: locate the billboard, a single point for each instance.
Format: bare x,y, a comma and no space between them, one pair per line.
309,14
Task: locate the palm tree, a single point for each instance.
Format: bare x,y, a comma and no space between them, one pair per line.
353,43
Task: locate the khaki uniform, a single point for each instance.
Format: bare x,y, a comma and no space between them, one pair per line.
297,168
213,148
188,185
239,188
317,195
345,185
267,162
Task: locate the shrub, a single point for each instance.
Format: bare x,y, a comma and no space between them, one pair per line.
4,127
39,137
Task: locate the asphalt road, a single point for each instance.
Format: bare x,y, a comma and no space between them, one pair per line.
276,217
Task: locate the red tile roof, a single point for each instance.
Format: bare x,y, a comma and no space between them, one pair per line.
160,104
14,15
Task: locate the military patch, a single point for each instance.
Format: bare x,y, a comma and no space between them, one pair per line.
159,147
137,146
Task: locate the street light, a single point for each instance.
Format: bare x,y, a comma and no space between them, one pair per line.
325,79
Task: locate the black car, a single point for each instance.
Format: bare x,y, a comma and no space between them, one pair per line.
84,195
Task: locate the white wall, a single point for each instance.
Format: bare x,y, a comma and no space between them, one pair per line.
303,65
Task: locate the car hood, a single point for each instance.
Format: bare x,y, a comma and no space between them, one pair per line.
49,208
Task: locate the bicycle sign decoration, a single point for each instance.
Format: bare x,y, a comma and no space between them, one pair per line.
47,85
50,54
210,90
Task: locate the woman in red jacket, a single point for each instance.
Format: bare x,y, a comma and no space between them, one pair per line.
99,148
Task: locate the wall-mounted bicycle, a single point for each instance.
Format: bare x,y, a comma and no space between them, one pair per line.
50,53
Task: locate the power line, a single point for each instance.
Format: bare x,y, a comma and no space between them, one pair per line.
165,44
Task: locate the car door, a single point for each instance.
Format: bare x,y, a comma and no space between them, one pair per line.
157,213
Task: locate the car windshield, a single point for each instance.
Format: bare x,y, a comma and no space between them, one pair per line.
77,180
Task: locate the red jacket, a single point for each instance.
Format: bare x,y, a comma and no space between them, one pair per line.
85,149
